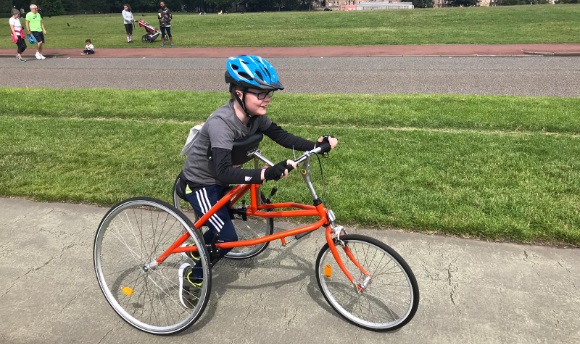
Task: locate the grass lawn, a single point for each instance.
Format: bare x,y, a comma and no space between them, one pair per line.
473,25
499,168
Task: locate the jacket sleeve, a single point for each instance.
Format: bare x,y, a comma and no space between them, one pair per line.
287,140
226,173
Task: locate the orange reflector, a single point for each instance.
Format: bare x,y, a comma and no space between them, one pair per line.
327,271
127,291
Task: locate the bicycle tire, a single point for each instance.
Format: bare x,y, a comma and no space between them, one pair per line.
251,228
390,299
129,238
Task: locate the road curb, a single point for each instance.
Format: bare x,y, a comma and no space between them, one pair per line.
551,53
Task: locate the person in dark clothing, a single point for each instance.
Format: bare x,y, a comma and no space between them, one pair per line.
165,16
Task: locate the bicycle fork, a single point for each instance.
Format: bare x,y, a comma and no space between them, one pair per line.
333,233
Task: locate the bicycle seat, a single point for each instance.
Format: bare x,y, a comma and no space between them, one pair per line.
180,187
243,146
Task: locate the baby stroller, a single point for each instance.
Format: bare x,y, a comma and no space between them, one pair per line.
152,33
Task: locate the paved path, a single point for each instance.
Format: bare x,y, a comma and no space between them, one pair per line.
569,49
471,291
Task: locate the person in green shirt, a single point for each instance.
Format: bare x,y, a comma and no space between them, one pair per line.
35,27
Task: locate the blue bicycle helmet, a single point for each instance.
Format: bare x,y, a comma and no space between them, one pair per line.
252,72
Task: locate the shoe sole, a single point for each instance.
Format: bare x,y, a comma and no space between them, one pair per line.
180,274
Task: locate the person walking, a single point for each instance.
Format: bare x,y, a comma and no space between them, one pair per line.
35,26
128,20
165,16
17,34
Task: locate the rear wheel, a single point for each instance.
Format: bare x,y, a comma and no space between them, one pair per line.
384,298
147,295
251,228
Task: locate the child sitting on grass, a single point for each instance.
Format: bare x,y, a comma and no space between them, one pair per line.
89,48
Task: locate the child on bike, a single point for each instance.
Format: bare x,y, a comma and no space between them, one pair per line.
208,170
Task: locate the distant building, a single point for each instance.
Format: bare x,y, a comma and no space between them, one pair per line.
352,5
384,5
358,5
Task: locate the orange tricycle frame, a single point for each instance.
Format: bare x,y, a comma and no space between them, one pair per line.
276,210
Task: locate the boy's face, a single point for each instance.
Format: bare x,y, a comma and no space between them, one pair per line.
254,104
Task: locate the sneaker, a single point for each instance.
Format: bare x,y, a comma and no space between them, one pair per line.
188,286
192,255
171,44
37,55
42,57
20,59
162,45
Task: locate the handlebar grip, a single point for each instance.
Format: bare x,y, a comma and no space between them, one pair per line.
324,147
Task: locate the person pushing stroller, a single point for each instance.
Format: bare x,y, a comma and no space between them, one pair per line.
165,16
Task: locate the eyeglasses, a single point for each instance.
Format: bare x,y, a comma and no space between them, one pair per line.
262,95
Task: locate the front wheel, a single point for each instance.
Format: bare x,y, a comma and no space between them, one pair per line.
385,295
150,296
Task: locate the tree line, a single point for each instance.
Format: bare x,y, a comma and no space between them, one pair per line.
59,7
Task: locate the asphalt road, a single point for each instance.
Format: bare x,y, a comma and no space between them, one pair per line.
523,75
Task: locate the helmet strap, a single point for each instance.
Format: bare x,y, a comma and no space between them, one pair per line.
241,101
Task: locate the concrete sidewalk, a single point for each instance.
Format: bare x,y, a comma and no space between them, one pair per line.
471,291
154,50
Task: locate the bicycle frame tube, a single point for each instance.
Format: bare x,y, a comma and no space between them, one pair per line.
255,209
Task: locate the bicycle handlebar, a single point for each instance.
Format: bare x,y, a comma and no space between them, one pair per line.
324,147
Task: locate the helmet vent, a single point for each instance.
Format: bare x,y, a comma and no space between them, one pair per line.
245,75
